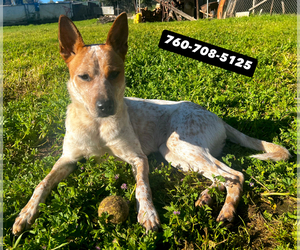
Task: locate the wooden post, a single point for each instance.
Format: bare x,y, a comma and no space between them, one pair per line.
253,4
271,7
229,8
197,9
258,4
232,8
210,15
283,9
207,9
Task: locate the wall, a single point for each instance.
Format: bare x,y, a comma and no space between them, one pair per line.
54,10
40,13
17,14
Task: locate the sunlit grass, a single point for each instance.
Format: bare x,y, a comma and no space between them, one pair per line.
35,101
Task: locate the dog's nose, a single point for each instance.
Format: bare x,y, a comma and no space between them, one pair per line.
105,108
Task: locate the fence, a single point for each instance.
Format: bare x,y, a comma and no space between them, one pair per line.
259,6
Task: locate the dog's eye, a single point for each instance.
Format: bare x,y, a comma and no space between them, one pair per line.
85,77
113,75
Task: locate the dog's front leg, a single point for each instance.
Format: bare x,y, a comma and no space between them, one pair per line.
62,168
129,150
147,215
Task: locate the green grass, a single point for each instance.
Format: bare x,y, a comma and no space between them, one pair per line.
264,106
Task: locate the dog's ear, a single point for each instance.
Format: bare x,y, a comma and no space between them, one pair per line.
118,35
70,40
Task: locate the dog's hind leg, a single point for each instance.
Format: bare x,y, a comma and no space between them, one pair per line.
205,198
62,168
188,157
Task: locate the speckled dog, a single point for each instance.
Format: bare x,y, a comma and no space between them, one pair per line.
100,120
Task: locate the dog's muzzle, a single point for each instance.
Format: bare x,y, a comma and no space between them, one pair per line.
105,108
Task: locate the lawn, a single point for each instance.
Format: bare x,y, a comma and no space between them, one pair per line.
263,106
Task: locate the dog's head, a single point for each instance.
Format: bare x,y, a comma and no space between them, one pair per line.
96,71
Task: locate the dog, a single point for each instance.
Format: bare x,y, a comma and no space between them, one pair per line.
101,120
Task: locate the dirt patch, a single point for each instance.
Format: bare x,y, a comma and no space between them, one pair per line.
261,230
257,229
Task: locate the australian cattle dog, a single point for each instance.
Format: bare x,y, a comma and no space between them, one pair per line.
101,120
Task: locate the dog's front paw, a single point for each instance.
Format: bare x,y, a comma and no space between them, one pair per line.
25,219
227,214
148,217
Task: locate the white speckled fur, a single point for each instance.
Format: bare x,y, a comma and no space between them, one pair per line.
186,134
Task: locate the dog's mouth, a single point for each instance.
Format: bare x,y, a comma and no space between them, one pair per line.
103,115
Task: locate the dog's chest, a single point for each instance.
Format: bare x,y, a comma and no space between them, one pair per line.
84,137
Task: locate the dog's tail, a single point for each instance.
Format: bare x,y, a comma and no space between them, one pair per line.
273,152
